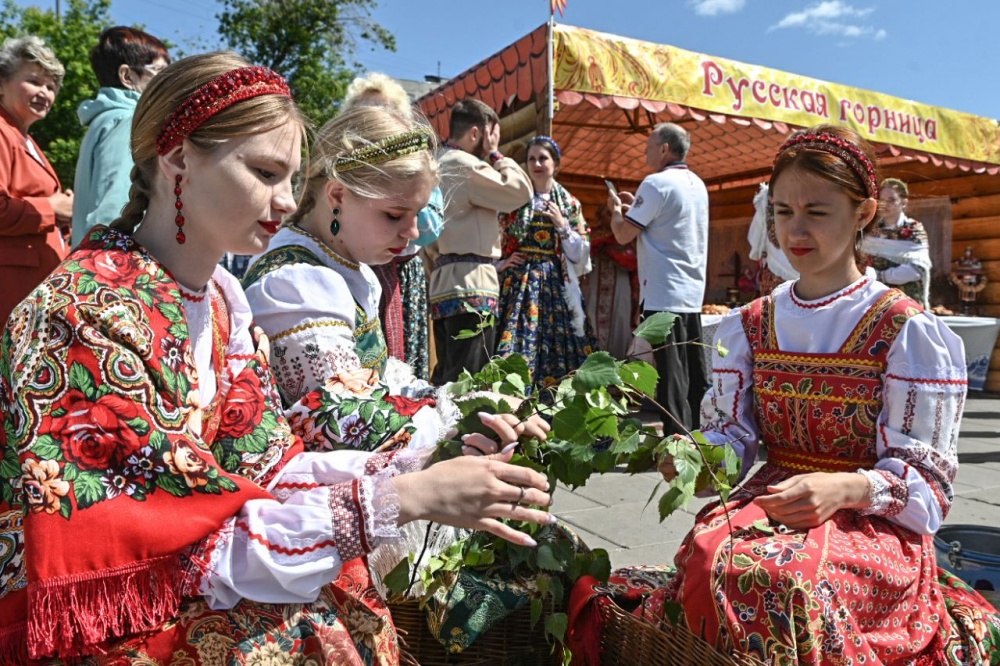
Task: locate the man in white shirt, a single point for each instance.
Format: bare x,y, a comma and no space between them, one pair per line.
669,216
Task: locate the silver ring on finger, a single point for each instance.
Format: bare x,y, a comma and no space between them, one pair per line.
520,498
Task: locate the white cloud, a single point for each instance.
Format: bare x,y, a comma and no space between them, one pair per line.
833,17
714,7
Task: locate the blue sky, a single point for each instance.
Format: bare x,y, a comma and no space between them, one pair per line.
933,51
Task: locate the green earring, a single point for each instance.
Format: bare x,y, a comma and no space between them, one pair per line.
335,224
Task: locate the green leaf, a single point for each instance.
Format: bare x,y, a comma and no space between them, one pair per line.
600,369
81,379
604,461
466,334
761,577
70,471
601,423
599,564
158,441
599,399
626,445
722,351
379,422
228,485
516,383
366,410
65,507
547,558
745,582
732,462
46,448
742,561
555,625
173,484
88,489
171,311
641,376
656,329
536,611
557,591
568,424
673,499
139,425
673,612
687,460
398,580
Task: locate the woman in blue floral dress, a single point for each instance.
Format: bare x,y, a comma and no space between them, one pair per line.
546,247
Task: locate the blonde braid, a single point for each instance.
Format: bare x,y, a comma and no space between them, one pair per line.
138,203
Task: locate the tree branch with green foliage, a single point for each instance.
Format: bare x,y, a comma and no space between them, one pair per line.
594,430
309,42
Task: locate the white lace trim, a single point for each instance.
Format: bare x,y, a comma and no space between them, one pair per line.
879,495
447,411
384,509
903,371
799,308
399,376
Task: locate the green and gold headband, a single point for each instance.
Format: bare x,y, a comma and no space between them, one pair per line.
385,150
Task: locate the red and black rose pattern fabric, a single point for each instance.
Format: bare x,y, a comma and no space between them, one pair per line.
103,455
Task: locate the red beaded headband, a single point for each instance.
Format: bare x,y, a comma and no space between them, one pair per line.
853,156
217,95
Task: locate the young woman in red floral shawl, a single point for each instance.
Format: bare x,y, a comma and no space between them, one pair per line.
154,505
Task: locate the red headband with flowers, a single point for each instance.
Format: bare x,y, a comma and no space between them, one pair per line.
217,95
850,153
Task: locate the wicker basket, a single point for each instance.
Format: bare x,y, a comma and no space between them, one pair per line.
628,639
513,642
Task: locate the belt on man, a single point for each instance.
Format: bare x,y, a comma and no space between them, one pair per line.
445,259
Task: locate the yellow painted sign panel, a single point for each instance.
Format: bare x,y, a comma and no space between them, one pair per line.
598,63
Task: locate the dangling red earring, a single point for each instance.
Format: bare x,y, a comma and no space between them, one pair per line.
179,220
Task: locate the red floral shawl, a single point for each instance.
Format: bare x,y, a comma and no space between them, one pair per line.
104,481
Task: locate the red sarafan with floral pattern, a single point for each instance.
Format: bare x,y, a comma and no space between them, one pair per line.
115,481
857,589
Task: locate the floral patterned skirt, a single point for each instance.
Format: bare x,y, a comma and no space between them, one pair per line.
855,590
536,322
413,288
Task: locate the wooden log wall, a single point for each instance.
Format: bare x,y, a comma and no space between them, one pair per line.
976,223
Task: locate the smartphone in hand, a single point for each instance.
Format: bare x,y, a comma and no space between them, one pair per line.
611,186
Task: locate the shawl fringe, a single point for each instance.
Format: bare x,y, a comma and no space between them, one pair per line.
73,615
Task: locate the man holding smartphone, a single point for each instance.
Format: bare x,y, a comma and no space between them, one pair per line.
669,216
478,182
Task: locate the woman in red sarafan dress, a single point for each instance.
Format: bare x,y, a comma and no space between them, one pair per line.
155,506
825,555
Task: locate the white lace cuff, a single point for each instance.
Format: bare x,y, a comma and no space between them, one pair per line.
888,495
384,505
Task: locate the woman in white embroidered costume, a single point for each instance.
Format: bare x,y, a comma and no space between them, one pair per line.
825,555
154,503
897,245
403,306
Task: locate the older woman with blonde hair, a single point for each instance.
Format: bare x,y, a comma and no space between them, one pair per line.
34,209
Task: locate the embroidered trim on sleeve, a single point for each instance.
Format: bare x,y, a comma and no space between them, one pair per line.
889,494
348,519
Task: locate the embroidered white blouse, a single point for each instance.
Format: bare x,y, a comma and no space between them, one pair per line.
919,423
330,507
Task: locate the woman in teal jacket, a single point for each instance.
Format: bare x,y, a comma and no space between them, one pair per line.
124,60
